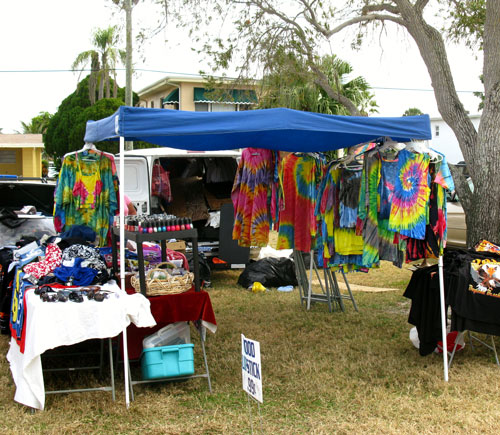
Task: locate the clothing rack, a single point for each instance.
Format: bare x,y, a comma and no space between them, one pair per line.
330,289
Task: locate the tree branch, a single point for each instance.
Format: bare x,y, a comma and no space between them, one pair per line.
461,185
311,17
387,7
420,5
363,19
322,81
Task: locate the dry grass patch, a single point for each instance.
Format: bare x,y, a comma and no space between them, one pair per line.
323,373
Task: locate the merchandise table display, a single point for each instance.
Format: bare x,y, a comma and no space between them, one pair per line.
50,325
472,292
191,306
273,129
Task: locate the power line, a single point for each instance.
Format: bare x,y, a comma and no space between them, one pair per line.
195,75
412,89
91,70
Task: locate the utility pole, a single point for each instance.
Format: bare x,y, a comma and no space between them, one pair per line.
128,62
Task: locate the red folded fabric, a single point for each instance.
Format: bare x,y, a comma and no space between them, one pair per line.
187,306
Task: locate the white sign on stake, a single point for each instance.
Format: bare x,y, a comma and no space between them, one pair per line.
251,368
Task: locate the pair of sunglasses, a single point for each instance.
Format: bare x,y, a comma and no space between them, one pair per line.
97,296
75,297
44,289
53,297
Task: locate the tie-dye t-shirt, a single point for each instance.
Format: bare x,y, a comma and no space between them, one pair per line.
87,194
297,223
388,175
411,195
250,197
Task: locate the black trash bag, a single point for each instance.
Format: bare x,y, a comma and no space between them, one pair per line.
205,272
270,272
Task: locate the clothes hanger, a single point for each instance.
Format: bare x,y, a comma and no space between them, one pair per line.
354,154
422,147
89,147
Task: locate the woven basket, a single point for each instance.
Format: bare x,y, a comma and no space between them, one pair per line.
170,285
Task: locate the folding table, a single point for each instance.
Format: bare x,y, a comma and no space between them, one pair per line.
190,306
52,324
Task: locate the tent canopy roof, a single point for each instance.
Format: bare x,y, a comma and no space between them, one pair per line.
276,129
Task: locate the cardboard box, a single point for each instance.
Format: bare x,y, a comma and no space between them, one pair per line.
180,245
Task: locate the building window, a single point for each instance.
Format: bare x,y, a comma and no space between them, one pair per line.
436,130
221,107
201,107
8,156
171,106
242,107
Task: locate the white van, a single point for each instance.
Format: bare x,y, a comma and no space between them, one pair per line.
193,184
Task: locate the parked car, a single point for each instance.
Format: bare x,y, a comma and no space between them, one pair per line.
197,185
15,193
457,228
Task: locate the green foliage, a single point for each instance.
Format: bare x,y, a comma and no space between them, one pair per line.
291,83
412,111
66,129
38,124
467,21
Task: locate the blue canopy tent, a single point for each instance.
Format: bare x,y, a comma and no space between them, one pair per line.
275,129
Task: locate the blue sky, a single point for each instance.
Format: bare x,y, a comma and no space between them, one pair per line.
48,35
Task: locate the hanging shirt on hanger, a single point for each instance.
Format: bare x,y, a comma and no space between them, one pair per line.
250,193
367,225
411,195
87,194
300,176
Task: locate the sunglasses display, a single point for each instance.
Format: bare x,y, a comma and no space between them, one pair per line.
93,293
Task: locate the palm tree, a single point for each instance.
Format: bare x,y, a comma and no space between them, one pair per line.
291,84
38,125
103,60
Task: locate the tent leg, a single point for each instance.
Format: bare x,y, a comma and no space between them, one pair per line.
443,318
309,287
122,264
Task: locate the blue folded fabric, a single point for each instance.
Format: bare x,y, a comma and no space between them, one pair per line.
285,288
81,231
75,275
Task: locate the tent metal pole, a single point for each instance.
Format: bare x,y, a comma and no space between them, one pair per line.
310,280
443,318
122,265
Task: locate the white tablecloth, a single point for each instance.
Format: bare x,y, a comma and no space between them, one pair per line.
53,324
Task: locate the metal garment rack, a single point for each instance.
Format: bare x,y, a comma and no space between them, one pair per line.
330,290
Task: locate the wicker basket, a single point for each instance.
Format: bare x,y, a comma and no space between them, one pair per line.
170,285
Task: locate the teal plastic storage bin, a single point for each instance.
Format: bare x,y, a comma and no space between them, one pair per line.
167,361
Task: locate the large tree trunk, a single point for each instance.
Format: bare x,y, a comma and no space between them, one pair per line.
481,206
483,217
100,95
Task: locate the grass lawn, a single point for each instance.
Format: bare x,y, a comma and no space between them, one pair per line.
323,373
